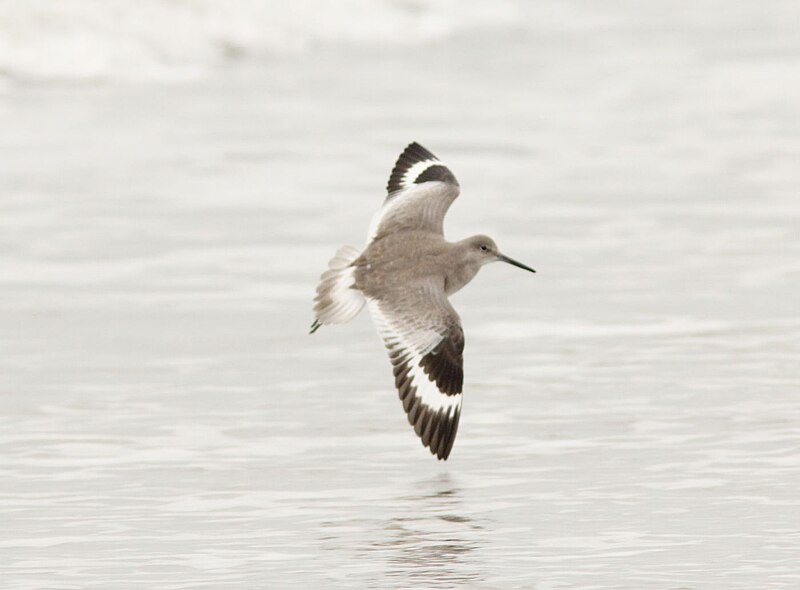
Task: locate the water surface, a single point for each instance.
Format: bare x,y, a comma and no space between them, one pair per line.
630,417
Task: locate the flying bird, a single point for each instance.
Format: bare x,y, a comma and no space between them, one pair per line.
404,275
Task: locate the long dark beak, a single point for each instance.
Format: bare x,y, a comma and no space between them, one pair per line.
514,262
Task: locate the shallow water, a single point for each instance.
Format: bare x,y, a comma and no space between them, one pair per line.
631,412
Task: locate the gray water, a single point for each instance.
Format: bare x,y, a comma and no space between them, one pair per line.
631,415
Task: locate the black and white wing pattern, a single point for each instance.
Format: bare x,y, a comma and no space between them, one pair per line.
420,190
415,166
423,335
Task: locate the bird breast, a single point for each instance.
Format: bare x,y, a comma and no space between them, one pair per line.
458,275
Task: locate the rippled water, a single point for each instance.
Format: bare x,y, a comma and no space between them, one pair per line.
631,412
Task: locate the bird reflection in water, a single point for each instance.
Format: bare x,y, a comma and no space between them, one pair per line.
428,538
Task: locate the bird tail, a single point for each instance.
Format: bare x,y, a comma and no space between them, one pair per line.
337,300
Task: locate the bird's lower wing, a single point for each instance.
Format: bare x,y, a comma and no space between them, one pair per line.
425,343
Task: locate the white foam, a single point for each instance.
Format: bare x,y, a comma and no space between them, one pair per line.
167,40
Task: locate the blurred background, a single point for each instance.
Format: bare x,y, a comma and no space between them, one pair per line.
174,176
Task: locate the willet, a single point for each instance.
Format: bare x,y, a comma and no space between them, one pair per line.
404,276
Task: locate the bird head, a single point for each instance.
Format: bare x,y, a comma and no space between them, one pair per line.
484,250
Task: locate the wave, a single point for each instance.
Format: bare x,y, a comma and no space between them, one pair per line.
42,40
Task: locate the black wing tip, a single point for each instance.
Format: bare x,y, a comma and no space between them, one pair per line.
448,436
436,430
447,444
314,327
418,152
412,154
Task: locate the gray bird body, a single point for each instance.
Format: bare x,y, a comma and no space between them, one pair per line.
387,263
404,276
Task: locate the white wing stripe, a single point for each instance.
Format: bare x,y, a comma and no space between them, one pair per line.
427,392
412,173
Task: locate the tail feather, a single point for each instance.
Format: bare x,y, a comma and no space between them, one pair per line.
337,302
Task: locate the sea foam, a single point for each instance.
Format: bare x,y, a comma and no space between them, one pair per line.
117,40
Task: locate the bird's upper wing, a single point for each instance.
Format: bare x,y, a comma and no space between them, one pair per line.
423,335
420,190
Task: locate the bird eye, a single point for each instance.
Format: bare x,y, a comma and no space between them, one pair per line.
485,248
